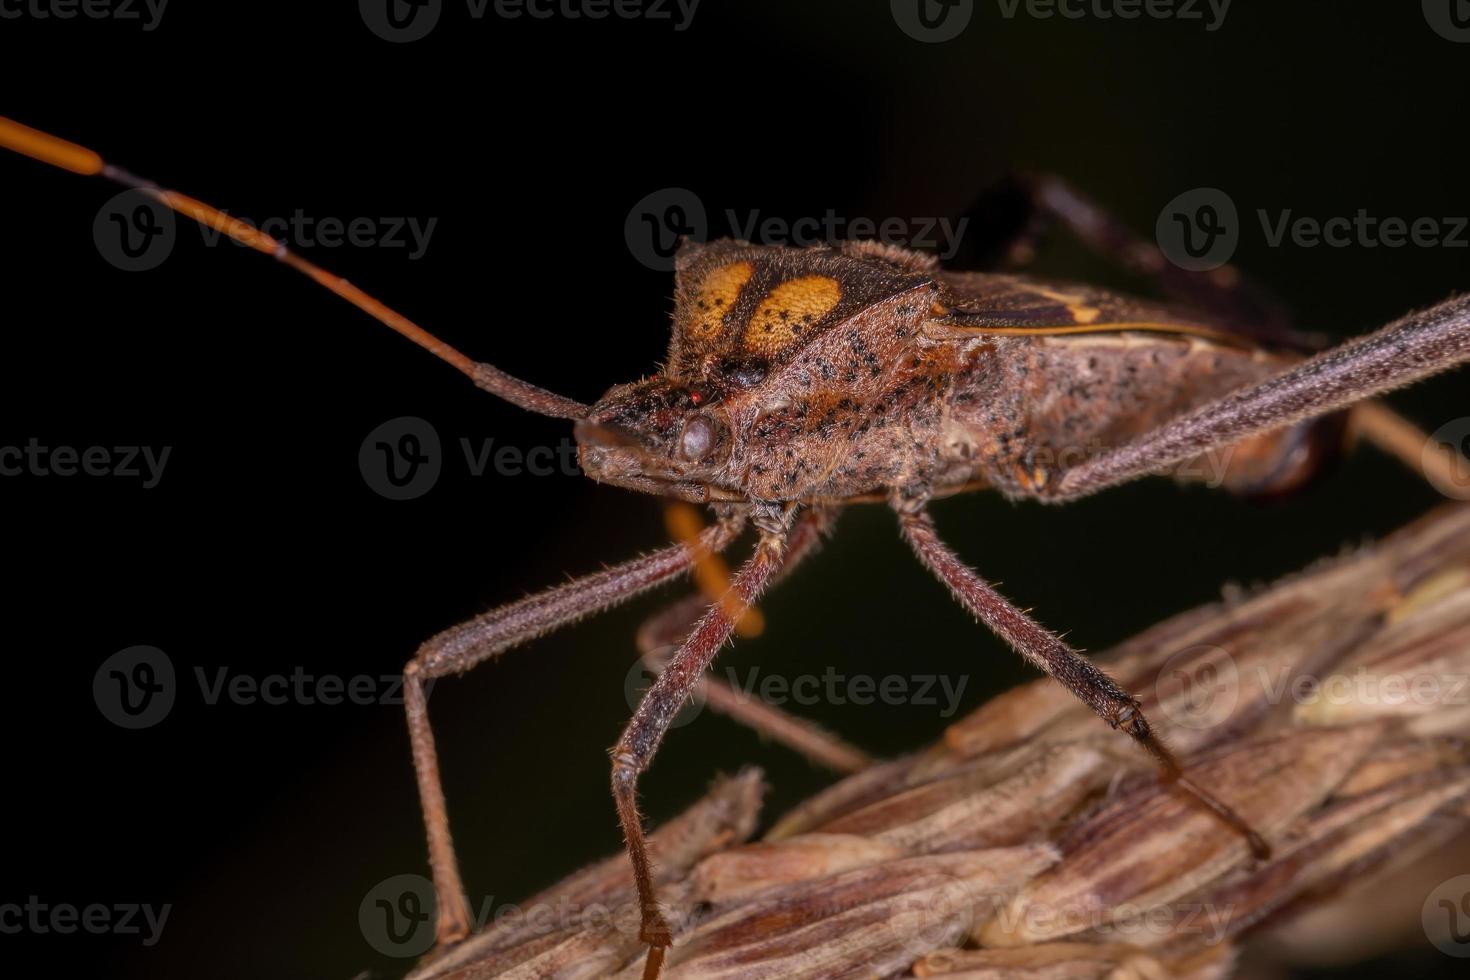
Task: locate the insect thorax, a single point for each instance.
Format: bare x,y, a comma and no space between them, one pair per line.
817,359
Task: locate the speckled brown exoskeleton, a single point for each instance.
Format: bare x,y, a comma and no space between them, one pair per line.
801,380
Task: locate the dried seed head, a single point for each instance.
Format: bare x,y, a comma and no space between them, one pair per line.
1033,844
1155,844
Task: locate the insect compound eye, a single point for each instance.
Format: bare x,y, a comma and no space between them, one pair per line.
698,439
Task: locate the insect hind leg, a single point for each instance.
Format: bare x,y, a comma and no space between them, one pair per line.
1045,650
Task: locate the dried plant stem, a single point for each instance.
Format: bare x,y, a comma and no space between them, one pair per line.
1031,842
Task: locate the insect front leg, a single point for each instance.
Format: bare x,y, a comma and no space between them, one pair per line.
666,630
1407,350
1045,650
456,650
640,740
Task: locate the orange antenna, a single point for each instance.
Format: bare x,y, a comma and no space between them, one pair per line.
80,160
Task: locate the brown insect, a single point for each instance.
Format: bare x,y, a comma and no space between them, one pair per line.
799,381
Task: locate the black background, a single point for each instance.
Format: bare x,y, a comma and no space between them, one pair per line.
263,550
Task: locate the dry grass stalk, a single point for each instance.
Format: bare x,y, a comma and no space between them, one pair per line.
1034,843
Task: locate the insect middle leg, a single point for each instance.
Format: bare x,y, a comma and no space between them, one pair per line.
456,650
640,740
1045,650
666,630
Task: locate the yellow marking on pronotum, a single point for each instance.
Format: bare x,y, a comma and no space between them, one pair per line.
789,309
711,573
716,294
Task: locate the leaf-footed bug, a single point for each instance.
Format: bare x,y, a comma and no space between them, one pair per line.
802,380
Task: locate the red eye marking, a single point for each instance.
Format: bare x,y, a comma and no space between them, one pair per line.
696,397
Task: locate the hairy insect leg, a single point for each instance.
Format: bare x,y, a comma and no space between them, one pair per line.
462,647
1046,651
1407,350
663,632
640,740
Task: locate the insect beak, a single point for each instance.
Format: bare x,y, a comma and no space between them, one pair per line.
615,454
609,452
604,435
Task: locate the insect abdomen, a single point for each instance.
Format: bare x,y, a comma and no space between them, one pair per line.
1064,400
